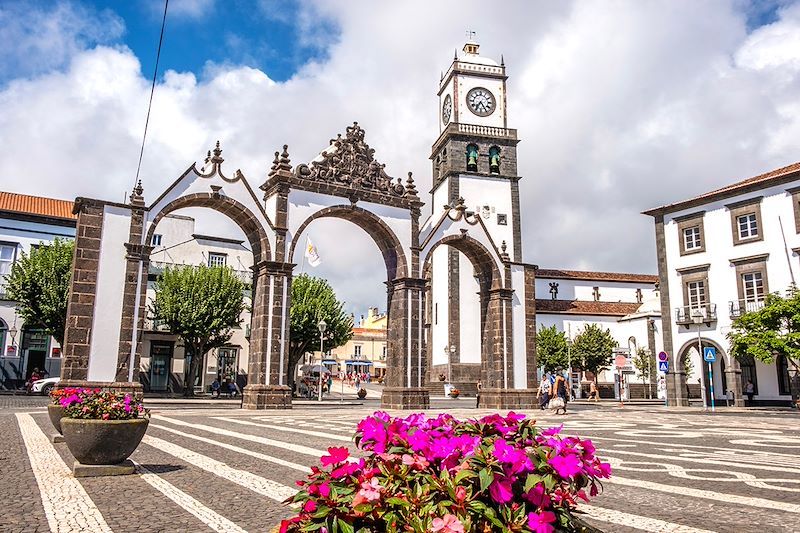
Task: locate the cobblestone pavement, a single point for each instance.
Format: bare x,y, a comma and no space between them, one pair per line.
678,471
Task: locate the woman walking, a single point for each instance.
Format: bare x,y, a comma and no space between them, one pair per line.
559,392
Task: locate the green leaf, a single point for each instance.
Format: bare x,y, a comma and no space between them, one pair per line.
531,481
486,478
344,526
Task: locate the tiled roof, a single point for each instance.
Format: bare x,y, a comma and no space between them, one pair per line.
595,276
36,205
582,307
773,177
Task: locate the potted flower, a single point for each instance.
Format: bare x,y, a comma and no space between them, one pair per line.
55,410
454,392
440,474
442,377
102,427
362,393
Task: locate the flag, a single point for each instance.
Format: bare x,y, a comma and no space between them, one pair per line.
311,254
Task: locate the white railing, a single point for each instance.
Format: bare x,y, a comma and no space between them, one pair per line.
488,131
157,267
738,308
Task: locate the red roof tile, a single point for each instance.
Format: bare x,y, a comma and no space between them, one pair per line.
595,276
36,205
773,177
581,307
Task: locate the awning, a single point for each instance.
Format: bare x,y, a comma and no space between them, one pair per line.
359,363
329,362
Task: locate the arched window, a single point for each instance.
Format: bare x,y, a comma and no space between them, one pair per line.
748,366
472,157
494,160
783,375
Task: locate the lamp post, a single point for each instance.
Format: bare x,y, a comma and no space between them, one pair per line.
321,326
698,318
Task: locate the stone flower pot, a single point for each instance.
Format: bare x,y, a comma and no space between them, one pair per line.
56,413
362,393
454,393
103,442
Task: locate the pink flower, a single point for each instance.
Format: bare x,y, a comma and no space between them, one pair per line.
337,455
552,431
415,461
310,506
541,522
461,494
346,469
500,490
449,524
537,496
565,466
370,490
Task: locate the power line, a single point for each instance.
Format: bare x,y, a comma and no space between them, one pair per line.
152,90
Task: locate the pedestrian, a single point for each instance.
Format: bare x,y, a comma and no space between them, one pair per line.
330,383
544,391
559,391
593,392
478,395
357,382
215,386
750,391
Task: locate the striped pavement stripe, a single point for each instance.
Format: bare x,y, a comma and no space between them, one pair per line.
257,484
651,525
308,432
66,504
209,517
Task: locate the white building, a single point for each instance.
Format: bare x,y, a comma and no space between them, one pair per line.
27,221
718,255
163,364
628,305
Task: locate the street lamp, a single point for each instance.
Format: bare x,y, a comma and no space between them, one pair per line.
321,326
13,332
698,318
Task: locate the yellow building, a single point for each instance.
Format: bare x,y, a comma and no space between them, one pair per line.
365,351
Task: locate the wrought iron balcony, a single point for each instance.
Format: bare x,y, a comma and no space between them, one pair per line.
738,308
705,313
151,324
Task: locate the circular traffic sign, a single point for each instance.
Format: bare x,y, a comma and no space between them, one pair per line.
621,360
662,356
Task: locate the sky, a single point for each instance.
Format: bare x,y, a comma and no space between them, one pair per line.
620,105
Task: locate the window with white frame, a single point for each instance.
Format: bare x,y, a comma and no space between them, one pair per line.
7,255
753,286
155,240
691,238
696,291
216,259
748,226
357,350
383,355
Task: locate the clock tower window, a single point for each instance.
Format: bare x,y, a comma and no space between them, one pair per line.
494,160
472,158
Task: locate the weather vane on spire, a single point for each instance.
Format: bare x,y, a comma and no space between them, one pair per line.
471,35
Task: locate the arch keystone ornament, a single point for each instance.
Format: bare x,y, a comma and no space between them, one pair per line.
478,227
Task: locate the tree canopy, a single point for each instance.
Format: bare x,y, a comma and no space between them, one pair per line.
201,305
313,300
39,283
593,347
551,348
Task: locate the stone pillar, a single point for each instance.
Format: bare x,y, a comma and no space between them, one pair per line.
268,365
405,358
497,354
733,379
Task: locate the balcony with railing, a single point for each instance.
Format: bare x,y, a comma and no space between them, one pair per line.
738,308
152,324
693,314
4,291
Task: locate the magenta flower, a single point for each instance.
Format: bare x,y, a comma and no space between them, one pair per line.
537,496
448,524
337,455
566,466
541,522
500,490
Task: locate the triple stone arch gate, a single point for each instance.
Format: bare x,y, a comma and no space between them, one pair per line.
107,299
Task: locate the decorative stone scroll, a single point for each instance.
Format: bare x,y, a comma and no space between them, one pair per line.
350,162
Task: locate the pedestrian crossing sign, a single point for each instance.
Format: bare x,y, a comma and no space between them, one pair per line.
709,354
663,366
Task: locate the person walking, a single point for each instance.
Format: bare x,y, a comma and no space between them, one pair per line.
559,390
593,392
543,394
750,391
478,395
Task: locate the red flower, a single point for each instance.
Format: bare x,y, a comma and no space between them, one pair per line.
337,455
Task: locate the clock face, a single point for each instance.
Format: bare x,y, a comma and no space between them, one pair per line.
481,101
447,109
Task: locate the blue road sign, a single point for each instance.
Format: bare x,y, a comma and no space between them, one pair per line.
662,356
709,354
663,366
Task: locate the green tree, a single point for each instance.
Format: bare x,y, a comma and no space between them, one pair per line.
551,348
769,332
644,361
313,300
39,283
201,305
688,364
593,347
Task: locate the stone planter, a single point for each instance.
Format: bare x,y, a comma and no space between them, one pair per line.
56,413
454,393
362,393
103,442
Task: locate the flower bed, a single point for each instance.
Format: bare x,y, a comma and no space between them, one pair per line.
97,404
449,476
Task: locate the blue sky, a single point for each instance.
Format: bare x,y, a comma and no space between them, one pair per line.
620,105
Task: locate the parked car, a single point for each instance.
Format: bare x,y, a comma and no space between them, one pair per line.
44,386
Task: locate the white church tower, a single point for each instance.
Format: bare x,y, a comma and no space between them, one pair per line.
474,158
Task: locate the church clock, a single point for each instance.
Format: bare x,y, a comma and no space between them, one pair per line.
447,109
481,101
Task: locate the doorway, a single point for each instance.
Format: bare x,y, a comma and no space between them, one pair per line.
35,344
160,362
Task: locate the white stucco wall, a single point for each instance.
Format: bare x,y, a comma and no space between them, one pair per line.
495,193
610,291
469,312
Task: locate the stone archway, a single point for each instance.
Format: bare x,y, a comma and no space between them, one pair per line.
726,369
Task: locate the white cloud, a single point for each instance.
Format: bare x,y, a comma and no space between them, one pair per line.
620,106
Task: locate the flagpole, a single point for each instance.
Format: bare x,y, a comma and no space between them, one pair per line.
303,263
